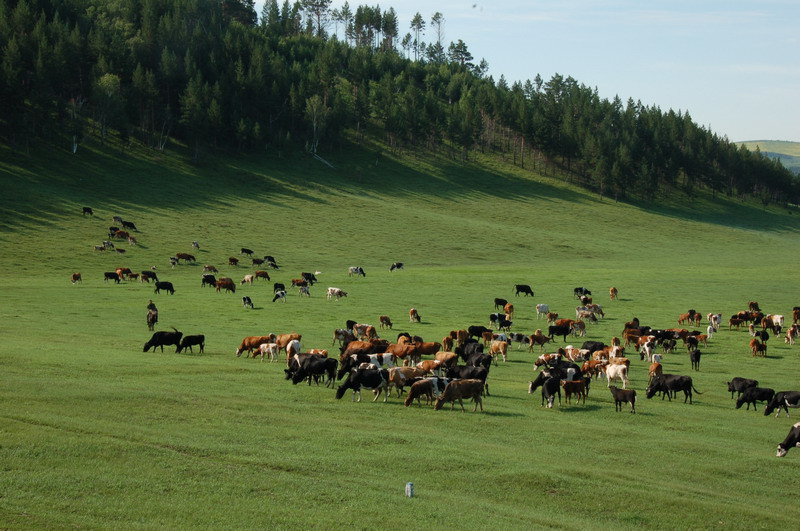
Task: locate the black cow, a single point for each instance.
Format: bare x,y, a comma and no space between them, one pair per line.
783,400
563,370
111,275
315,367
309,277
375,379
271,259
396,266
581,292
160,339
166,286
480,359
694,357
208,280
499,304
477,330
551,387
189,341
469,349
668,345
247,251
257,261
88,210
349,324
523,288
623,396
672,383
740,384
763,335
278,286
554,330
129,225
272,265
505,324
247,302
592,346
470,373
117,219
752,395
112,231
791,440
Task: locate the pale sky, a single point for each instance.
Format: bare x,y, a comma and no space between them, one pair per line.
733,65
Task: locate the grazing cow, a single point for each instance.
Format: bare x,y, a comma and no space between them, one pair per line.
575,387
458,390
129,225
623,396
499,303
385,322
208,280
257,261
447,343
270,350
655,370
477,330
551,387
227,284
233,261
357,271
399,377
88,210
542,310
148,276
76,277
162,338
783,400
342,336
375,379
365,331
309,277
251,343
196,245
617,372
262,274
735,321
186,257
336,294
593,368
166,286
669,384
314,366
413,316
247,302
430,366
739,385
248,279
248,252
111,275
752,395
396,266
581,292
613,293
668,345
470,372
523,288
299,283
538,339
499,348
279,296
210,269
791,440
792,333
694,357
190,341
418,390
122,235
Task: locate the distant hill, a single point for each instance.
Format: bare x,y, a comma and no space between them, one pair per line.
787,152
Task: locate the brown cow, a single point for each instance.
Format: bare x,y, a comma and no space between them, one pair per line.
508,309
499,347
593,367
538,339
417,391
385,321
251,343
233,261
262,274
225,283
613,293
407,352
461,337
186,257
299,283
447,343
283,340
356,347
551,317
574,387
431,366
123,272
429,347
758,348
487,337
413,315
458,390
76,277
448,359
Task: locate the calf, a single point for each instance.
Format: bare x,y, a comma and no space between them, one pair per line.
574,387
166,286
159,339
752,395
694,357
458,390
270,350
250,343
279,295
613,293
418,390
791,440
190,341
623,396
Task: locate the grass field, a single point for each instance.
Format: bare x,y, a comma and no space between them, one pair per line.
95,433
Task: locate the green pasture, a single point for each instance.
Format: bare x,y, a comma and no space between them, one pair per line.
95,433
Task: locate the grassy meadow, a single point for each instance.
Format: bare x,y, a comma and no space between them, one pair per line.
95,433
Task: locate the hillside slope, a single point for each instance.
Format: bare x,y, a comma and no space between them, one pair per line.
99,433
787,152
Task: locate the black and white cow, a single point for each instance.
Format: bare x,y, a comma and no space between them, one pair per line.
247,302
279,295
791,440
783,400
375,379
738,385
315,366
357,271
551,386
396,266
752,395
309,277
581,292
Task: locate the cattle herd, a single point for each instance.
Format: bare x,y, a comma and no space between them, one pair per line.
458,366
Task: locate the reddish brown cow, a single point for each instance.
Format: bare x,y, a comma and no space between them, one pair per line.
76,277
413,315
508,309
262,274
385,321
613,293
448,359
233,261
447,343
593,367
225,283
458,390
186,257
538,339
251,343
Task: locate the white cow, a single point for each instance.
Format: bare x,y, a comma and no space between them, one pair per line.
270,349
336,293
542,310
617,372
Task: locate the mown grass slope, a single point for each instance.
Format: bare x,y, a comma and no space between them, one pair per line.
97,433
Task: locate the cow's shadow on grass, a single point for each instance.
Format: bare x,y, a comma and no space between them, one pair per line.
498,413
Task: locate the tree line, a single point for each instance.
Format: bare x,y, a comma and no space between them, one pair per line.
216,75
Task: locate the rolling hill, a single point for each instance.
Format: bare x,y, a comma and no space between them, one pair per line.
787,152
